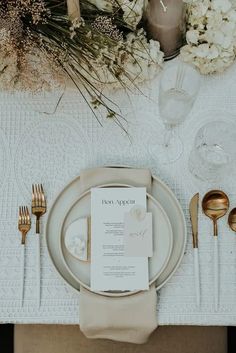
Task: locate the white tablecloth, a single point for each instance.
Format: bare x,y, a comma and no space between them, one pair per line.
53,148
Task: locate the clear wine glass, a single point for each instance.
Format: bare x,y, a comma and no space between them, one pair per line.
179,86
214,151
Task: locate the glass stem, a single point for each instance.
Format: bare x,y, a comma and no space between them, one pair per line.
169,133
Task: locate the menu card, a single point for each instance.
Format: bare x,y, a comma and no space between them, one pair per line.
110,268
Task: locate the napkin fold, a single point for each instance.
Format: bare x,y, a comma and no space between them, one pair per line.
129,318
131,176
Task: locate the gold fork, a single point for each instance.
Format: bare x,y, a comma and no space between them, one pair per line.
24,222
24,225
39,206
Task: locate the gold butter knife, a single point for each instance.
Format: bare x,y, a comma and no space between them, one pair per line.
193,210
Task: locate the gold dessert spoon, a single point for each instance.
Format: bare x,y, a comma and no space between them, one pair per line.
232,219
215,205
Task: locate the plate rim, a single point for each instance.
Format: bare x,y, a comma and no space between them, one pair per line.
125,293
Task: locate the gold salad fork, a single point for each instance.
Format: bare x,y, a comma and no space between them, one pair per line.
39,207
24,222
24,225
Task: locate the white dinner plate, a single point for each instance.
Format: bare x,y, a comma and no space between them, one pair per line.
162,240
71,193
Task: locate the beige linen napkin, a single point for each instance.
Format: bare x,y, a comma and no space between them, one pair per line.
130,176
128,319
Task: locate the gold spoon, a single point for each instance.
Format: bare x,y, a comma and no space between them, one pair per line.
232,219
215,205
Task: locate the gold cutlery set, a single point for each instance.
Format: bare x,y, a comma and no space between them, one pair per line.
215,204
38,208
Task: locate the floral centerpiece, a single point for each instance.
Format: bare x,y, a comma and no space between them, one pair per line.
96,43
93,42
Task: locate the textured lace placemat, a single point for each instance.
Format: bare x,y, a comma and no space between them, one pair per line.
53,148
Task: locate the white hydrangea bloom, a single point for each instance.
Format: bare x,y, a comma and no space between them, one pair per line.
192,36
211,35
133,11
200,9
146,59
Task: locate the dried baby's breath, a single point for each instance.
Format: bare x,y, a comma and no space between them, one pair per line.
103,24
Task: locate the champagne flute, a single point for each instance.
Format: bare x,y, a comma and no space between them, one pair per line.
179,87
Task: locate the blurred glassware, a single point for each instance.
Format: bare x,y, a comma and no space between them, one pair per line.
179,86
214,151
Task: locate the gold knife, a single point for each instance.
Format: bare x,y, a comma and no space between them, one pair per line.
193,210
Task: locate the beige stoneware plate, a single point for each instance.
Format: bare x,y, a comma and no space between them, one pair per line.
162,240
71,193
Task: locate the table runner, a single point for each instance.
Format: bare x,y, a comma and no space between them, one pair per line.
53,148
